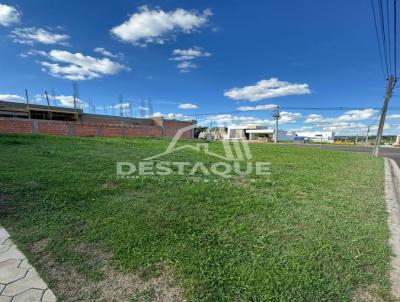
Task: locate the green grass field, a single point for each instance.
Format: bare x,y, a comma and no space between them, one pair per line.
314,230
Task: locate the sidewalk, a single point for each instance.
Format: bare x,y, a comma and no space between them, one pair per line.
19,281
392,186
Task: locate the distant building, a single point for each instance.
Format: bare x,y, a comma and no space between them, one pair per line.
257,132
318,136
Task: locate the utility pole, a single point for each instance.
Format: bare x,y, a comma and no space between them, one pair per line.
366,137
386,99
276,115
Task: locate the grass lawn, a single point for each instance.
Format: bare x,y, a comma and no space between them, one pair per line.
315,230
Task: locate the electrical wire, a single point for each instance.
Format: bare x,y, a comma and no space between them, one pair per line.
295,108
395,36
383,32
385,75
389,36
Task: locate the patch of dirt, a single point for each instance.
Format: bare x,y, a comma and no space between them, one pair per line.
70,285
367,295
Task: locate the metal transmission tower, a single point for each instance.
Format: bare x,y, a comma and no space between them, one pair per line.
131,108
121,111
388,95
276,115
150,107
142,108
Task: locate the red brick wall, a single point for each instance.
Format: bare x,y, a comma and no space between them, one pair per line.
112,131
169,128
154,131
54,128
10,126
144,131
85,130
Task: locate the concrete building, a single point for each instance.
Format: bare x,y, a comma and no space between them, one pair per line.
318,136
257,132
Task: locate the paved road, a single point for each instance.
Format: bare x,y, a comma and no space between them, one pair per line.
390,152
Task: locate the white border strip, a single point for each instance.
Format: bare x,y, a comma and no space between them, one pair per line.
392,186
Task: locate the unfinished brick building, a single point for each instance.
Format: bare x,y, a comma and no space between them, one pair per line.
39,119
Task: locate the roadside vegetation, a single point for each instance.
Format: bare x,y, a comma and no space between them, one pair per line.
314,230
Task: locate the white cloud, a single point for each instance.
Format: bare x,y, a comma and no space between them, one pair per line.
186,66
65,100
120,106
230,119
33,52
289,117
343,126
68,101
188,106
9,15
38,98
348,116
12,98
348,122
301,129
31,35
107,53
76,66
286,118
258,107
185,56
188,54
266,89
173,116
155,25
393,116
357,115
313,118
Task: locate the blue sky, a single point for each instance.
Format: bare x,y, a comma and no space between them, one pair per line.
216,55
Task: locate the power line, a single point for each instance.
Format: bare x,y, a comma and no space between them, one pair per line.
382,23
391,80
378,40
395,36
388,34
296,108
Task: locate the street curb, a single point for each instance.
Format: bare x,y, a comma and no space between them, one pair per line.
392,199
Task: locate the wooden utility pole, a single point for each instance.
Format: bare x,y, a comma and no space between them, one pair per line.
386,99
276,115
366,138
